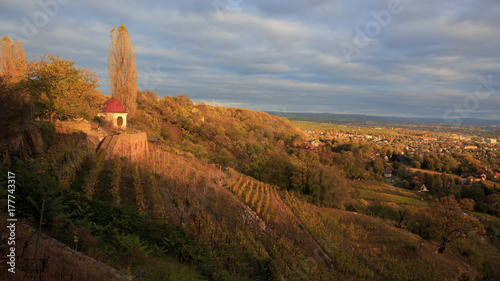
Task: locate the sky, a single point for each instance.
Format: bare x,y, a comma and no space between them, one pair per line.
385,58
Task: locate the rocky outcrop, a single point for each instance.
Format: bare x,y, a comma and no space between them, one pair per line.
35,141
23,142
252,219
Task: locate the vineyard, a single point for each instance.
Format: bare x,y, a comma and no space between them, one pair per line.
225,220
162,187
311,241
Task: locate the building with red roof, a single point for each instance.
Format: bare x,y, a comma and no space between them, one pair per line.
113,113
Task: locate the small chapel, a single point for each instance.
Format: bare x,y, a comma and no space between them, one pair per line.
112,112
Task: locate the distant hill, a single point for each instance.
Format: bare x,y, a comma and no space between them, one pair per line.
341,118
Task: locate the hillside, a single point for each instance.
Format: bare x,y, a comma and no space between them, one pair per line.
251,142
141,187
231,194
57,260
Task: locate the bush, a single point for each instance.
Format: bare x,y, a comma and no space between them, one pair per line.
130,248
383,211
491,230
209,267
34,187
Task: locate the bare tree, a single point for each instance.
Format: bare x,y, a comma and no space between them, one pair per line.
12,58
449,223
122,70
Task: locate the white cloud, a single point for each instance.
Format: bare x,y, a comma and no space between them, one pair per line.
285,53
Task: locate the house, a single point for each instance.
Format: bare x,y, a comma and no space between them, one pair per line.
469,180
414,179
387,173
480,178
314,143
422,188
497,176
309,146
351,208
492,141
152,143
113,114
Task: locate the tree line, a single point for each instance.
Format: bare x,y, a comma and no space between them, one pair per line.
51,87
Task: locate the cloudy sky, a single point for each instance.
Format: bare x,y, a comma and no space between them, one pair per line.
389,57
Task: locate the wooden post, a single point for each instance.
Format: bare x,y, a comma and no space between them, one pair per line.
38,238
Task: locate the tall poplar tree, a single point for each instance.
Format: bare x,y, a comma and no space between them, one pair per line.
122,70
12,58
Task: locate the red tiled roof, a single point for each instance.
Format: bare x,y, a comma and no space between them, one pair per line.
112,105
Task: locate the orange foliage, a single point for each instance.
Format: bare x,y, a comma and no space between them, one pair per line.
12,59
59,89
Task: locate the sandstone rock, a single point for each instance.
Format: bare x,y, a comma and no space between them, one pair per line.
24,141
34,138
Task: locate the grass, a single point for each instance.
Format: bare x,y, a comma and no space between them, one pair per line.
489,220
163,269
388,252
53,263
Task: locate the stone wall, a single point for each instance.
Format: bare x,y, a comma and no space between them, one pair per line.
132,146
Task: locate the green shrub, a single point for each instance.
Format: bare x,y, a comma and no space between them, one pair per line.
383,211
32,188
491,230
131,248
209,267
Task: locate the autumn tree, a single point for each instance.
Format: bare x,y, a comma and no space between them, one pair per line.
449,223
302,177
12,59
493,201
330,188
151,95
277,168
59,89
122,71
13,107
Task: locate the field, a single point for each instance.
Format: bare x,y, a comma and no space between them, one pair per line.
386,193
306,125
